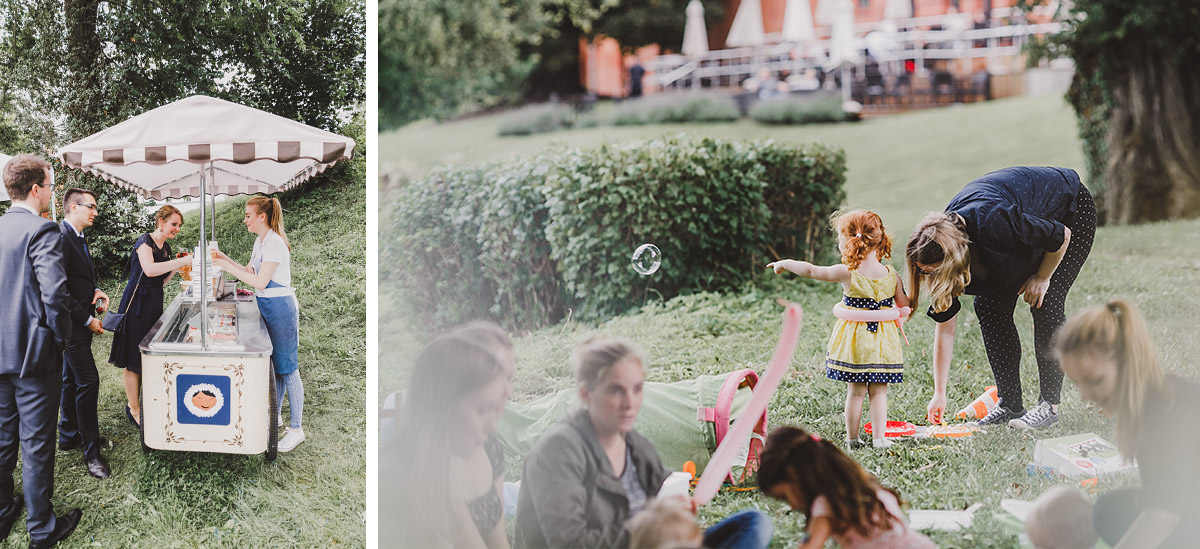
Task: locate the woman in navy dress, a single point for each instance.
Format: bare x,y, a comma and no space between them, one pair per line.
151,265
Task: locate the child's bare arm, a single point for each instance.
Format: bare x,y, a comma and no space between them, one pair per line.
832,273
819,530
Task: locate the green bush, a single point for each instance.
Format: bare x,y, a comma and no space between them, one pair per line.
515,253
431,251
700,203
537,119
804,189
526,241
674,108
799,110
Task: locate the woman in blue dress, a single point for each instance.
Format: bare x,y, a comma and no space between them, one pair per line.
270,273
151,265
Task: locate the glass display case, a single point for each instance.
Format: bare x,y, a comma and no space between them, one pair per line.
234,326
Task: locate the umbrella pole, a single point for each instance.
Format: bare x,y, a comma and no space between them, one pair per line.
212,172
204,281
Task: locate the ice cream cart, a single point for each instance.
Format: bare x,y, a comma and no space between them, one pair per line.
219,399
207,379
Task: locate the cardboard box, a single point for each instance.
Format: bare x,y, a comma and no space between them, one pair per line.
1085,455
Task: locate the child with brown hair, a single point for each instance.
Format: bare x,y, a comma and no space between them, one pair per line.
865,355
665,523
839,498
1109,354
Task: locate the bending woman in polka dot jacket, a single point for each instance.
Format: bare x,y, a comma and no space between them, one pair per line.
866,355
1019,231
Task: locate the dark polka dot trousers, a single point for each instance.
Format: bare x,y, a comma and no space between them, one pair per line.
995,315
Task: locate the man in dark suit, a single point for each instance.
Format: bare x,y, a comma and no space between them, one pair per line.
80,426
36,324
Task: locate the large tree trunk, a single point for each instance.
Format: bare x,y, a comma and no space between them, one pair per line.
1153,169
84,61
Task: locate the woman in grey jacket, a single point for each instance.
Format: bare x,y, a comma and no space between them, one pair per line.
592,472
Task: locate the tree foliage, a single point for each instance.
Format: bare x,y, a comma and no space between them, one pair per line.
74,67
1134,93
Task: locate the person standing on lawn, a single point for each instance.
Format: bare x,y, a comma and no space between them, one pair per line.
36,326
270,272
80,423
1017,231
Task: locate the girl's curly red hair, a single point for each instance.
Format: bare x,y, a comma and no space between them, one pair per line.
864,233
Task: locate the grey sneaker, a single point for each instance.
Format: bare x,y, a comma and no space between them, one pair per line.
1042,415
998,416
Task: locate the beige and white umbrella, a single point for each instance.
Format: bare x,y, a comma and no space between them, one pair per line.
695,36
898,9
798,22
202,145
841,37
158,154
747,27
826,12
842,48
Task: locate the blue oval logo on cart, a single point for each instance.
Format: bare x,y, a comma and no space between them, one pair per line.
203,399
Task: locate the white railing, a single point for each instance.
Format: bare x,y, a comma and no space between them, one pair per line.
728,67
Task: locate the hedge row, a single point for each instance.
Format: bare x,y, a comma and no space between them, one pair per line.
524,242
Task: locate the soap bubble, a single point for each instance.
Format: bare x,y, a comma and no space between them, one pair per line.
646,259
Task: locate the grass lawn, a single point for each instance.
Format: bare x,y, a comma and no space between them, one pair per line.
313,496
900,166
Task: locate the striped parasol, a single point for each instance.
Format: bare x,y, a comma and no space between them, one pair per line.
203,146
158,154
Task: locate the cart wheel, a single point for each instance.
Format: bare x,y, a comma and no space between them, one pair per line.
142,429
273,430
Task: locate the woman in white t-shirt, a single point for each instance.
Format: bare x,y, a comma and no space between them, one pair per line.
270,272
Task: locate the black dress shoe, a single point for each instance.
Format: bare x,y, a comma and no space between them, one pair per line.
129,414
63,527
97,467
7,521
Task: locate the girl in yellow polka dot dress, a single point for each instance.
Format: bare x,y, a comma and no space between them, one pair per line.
866,355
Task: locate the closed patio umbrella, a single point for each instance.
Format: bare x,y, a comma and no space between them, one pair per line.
797,21
826,12
747,27
695,36
842,50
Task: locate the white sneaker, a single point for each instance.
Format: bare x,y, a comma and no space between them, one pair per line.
881,442
1042,415
291,439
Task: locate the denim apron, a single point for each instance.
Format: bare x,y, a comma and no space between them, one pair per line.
282,317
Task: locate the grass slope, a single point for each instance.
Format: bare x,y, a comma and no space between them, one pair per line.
901,166
313,496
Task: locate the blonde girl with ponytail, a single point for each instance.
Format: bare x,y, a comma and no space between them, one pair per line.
865,355
1109,354
270,273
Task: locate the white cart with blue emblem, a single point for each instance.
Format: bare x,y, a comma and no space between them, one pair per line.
213,398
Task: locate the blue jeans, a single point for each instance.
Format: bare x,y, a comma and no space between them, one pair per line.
741,530
291,384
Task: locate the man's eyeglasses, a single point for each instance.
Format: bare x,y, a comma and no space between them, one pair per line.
89,206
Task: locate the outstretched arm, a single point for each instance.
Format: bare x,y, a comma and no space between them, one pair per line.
943,352
832,273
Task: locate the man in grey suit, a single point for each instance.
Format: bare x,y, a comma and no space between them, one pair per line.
36,325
